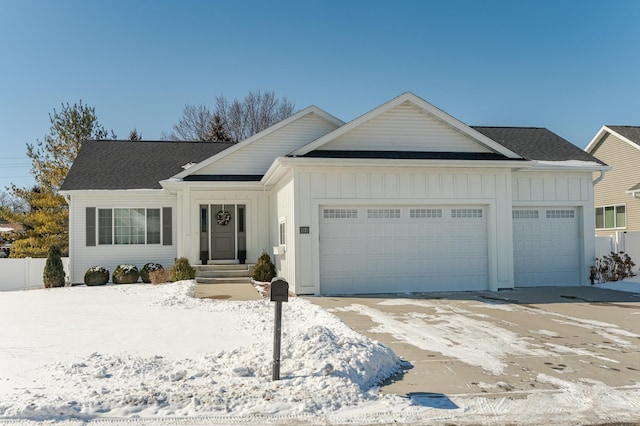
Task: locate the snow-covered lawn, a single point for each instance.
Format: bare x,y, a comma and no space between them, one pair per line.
155,355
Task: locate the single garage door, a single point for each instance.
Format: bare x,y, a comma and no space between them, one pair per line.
402,249
546,249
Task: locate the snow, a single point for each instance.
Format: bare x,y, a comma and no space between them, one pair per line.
153,354
4,229
630,285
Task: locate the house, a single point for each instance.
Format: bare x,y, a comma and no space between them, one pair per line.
404,198
617,197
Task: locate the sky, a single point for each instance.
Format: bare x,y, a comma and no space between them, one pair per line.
570,66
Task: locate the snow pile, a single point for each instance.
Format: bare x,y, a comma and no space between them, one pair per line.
85,369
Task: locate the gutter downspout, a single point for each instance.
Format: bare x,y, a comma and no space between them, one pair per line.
599,178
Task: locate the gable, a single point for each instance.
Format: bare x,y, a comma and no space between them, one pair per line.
405,128
255,155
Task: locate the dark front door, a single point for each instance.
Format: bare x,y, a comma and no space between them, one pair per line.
223,232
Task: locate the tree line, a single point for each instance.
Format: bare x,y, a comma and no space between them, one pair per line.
44,213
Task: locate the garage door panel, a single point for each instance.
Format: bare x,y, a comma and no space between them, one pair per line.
546,247
429,251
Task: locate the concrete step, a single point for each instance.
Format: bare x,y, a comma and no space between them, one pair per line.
223,273
229,267
223,280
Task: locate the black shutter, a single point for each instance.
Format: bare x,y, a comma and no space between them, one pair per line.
167,237
91,226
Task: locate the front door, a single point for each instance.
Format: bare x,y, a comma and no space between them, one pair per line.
223,232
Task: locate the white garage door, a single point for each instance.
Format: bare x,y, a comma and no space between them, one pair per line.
402,249
546,249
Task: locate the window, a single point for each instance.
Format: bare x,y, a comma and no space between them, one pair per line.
561,214
383,213
425,213
129,226
524,214
609,217
282,237
466,213
340,213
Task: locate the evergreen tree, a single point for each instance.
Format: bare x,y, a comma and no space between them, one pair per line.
46,221
53,275
134,135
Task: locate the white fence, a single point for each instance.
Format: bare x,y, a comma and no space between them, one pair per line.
628,242
24,274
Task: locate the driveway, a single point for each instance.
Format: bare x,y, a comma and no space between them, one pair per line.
506,343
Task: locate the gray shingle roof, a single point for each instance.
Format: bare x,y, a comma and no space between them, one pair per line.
134,165
536,143
630,132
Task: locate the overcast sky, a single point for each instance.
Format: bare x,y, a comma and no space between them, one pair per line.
570,66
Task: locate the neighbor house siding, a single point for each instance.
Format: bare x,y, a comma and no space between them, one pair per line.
490,188
404,128
83,257
257,157
624,160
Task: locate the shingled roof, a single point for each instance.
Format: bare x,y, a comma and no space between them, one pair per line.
134,165
630,132
536,143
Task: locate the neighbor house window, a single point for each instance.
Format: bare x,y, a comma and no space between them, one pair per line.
129,226
609,217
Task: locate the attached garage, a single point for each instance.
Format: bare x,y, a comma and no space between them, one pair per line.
546,246
380,249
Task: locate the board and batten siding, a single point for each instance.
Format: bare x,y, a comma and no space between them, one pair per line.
257,157
404,128
83,257
282,207
624,160
490,188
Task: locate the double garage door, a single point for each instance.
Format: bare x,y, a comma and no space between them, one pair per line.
403,249
393,249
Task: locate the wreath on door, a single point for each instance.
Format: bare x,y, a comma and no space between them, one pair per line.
223,217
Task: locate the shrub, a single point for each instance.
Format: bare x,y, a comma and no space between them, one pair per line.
264,270
125,274
146,269
159,276
53,275
182,270
96,275
612,267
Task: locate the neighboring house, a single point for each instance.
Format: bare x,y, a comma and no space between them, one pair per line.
404,198
617,196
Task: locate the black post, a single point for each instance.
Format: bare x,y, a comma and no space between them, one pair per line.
276,342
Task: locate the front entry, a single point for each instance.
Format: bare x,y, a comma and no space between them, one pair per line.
222,234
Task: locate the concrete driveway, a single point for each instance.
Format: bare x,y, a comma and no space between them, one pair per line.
506,343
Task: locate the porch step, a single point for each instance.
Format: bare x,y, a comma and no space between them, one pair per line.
223,274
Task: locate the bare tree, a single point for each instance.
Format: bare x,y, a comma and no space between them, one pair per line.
12,204
256,112
134,135
197,123
230,121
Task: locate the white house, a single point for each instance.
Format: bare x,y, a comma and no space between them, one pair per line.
404,198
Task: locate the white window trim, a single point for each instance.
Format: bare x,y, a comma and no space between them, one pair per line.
615,206
113,236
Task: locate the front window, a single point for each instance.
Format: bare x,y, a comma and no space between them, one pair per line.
611,217
126,226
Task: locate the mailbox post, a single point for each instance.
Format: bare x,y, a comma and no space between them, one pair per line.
279,294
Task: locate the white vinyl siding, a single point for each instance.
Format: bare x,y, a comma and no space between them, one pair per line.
257,157
83,257
405,128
